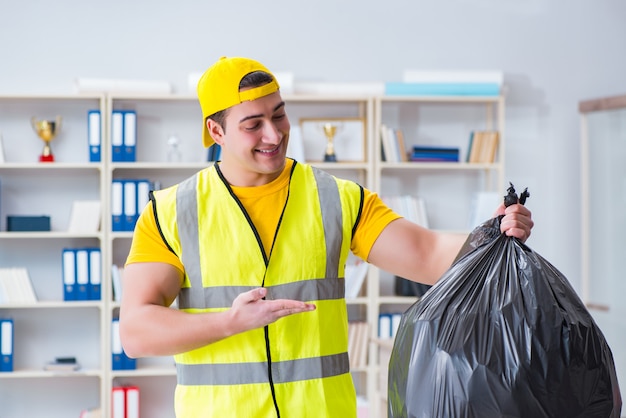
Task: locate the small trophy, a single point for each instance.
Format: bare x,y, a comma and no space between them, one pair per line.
330,130
46,130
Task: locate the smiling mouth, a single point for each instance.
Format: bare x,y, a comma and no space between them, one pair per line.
268,151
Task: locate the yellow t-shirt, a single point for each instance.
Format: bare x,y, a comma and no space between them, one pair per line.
261,203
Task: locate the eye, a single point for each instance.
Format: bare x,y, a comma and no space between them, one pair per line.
280,116
252,126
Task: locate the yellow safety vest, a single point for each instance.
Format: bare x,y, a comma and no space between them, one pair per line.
297,366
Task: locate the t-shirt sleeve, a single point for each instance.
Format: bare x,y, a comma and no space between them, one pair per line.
148,245
374,218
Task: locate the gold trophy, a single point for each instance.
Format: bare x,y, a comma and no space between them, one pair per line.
330,130
46,130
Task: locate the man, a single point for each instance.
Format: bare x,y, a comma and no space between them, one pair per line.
254,248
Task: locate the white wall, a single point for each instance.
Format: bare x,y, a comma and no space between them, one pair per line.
554,54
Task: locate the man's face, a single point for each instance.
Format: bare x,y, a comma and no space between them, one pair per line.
254,143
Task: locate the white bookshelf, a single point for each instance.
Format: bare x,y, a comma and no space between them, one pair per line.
53,327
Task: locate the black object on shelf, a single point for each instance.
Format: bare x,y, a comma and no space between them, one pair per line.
406,287
28,223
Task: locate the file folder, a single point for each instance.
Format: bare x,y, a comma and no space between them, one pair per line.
132,401
95,274
117,205
143,194
117,136
69,274
127,362
130,205
118,402
117,352
384,326
6,345
94,131
82,274
130,135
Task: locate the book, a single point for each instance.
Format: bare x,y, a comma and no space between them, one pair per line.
386,144
483,146
490,146
437,154
358,340
441,89
401,145
453,76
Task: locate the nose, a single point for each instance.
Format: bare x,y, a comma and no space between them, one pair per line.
272,134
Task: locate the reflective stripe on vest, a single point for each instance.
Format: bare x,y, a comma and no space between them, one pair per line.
247,373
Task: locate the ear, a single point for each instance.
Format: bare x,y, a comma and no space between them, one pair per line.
216,131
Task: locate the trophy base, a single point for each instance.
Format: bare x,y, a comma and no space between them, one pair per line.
46,158
330,158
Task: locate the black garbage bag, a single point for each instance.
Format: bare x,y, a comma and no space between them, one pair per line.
501,334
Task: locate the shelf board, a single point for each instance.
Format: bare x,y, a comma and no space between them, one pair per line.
438,166
48,235
74,304
39,374
442,99
76,166
361,300
161,166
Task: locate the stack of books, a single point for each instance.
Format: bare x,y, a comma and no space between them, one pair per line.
447,83
358,339
424,153
483,146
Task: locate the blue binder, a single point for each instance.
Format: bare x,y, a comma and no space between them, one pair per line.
94,135
117,205
117,136
117,352
95,274
6,345
82,274
130,135
143,194
130,205
69,274
127,362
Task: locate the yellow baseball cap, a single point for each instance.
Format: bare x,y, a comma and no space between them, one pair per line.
218,88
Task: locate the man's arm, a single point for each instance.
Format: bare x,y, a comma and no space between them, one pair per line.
148,327
422,255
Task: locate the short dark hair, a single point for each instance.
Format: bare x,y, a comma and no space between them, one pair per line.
253,79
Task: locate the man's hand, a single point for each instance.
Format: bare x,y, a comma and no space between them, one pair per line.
251,311
517,221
